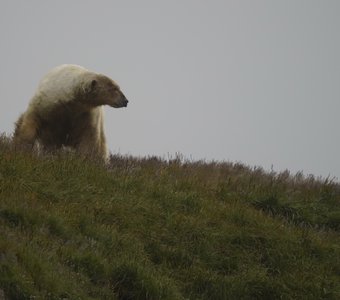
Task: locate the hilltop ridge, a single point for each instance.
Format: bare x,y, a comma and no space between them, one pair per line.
145,228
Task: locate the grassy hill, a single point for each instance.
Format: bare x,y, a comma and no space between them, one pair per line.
150,229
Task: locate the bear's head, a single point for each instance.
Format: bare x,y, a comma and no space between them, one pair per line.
102,90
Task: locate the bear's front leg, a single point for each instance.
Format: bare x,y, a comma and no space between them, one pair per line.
92,145
91,139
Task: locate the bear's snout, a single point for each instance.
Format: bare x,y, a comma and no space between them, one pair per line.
125,102
119,102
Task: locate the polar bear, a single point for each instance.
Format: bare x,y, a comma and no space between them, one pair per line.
66,111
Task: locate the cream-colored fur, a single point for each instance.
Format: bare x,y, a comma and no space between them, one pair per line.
66,111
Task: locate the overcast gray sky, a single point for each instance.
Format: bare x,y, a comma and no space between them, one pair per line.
254,81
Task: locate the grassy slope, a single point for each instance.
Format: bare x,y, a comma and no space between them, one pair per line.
147,229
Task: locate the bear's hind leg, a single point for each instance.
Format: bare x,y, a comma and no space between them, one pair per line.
26,129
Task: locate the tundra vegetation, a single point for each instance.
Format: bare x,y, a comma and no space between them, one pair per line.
150,228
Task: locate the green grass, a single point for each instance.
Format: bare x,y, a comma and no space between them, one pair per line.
150,229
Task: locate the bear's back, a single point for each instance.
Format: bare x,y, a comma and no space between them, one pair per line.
59,85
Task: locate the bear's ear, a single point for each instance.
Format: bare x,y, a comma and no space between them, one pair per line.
93,84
